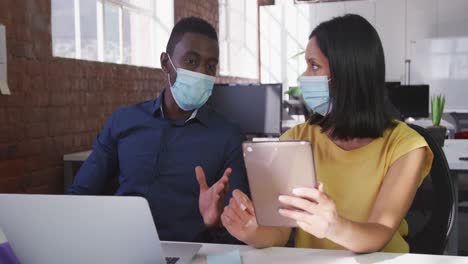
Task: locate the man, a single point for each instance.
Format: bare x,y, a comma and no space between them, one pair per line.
159,149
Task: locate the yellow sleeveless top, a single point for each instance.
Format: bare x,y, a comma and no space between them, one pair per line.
353,178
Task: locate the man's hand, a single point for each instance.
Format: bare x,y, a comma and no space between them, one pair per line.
211,200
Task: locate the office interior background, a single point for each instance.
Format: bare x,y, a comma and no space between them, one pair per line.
69,64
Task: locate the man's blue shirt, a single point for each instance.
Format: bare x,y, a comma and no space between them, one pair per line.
156,158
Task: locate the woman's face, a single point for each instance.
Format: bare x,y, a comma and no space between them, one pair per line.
317,63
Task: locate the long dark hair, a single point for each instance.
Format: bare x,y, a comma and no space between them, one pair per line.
357,87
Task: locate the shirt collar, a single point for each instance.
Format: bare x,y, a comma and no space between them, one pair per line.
157,103
200,114
192,116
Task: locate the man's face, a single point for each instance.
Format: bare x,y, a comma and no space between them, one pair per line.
194,52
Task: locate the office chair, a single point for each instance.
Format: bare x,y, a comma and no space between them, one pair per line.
461,121
461,135
461,132
431,215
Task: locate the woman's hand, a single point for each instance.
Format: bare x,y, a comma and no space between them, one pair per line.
312,209
239,217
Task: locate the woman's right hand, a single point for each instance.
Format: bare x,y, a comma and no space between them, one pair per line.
239,217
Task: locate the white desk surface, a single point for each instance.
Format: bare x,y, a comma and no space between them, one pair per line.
299,255
454,149
77,156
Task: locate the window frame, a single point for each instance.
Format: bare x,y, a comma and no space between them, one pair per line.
122,5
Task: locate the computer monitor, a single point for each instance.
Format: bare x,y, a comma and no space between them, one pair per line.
410,100
256,108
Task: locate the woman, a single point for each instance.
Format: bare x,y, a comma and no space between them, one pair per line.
369,165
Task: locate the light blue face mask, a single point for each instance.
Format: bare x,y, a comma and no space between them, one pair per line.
191,89
316,93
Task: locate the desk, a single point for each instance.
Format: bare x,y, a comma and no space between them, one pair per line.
426,122
68,160
300,255
454,149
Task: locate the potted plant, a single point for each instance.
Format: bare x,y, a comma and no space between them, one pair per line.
437,131
294,91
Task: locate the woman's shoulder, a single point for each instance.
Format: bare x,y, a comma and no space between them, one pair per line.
403,137
401,131
299,132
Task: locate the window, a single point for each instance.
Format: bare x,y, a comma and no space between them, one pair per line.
284,32
119,31
238,38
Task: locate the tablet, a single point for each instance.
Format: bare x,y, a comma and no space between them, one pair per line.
275,168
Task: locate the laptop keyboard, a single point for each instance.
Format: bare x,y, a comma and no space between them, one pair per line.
171,260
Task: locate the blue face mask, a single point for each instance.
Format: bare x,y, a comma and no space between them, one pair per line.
316,93
191,89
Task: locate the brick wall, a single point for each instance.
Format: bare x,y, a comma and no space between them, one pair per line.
58,105
207,9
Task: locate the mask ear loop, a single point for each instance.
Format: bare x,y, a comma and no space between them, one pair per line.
329,98
171,62
168,76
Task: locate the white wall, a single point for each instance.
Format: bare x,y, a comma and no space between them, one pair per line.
400,24
437,45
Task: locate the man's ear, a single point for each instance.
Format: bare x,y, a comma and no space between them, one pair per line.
164,59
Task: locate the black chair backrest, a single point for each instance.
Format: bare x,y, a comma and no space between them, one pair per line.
435,201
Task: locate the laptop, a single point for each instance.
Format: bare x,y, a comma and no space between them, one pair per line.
57,229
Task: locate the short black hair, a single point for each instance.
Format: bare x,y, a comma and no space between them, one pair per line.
357,69
190,24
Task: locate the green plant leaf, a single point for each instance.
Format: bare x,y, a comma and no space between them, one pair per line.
437,109
298,54
294,91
